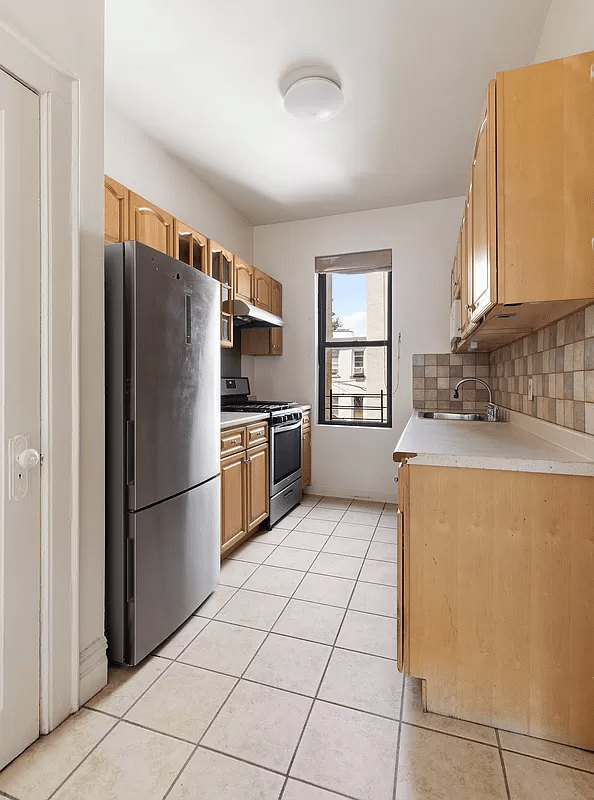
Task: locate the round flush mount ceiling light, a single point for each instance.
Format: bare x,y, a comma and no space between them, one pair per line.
314,98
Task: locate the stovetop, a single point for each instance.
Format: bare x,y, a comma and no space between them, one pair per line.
259,406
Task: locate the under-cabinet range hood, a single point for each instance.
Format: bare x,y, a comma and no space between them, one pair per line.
248,316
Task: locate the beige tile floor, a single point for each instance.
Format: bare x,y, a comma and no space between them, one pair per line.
284,685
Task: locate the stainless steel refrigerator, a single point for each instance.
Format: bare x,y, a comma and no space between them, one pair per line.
162,374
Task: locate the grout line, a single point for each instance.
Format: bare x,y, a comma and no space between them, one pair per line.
397,762
453,735
197,745
502,765
79,765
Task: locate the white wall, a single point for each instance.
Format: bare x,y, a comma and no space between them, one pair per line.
71,33
568,30
137,161
356,461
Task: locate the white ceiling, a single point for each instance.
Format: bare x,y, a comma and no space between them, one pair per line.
202,78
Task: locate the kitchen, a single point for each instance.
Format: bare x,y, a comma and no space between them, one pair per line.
136,161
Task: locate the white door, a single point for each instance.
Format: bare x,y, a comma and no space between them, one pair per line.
20,415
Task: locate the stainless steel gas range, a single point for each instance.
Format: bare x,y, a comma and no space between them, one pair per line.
284,424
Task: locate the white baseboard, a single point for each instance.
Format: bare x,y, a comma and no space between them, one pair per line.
92,669
328,491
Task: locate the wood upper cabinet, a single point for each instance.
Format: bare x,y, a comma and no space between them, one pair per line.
483,274
262,290
233,509
257,497
220,267
545,175
266,341
531,214
276,334
150,224
116,200
190,246
244,280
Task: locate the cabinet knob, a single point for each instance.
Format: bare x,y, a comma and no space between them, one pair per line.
468,307
233,441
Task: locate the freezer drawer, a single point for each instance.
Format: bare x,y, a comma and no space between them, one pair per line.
172,553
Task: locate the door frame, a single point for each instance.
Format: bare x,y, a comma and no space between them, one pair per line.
58,94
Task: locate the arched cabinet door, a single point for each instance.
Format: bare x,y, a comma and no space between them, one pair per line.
150,225
116,199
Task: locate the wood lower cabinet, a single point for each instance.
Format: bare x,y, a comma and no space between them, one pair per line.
256,485
496,597
116,201
150,225
306,450
233,508
244,483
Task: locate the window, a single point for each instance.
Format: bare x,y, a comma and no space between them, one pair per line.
335,362
358,363
355,339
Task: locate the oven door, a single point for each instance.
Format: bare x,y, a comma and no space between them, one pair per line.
285,455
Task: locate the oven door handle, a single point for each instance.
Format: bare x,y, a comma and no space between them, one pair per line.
286,427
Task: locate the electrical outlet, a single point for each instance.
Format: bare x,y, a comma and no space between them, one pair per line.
530,391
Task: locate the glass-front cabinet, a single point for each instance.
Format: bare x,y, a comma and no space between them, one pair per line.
221,268
190,246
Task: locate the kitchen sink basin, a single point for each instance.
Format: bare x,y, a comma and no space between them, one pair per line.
453,415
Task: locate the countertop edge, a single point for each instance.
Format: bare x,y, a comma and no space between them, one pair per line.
239,419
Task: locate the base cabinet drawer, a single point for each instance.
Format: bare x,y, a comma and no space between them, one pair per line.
233,441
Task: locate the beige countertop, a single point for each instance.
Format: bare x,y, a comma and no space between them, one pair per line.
229,419
520,445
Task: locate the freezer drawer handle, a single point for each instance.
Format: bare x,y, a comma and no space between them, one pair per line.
129,570
129,453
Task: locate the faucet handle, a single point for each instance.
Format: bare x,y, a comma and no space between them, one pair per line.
492,410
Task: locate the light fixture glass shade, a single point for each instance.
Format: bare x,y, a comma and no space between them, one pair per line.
314,98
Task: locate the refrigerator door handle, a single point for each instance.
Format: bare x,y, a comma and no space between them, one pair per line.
130,570
129,452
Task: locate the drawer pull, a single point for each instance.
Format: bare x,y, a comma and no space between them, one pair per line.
233,441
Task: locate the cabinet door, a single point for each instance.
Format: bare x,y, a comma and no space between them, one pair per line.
150,225
116,199
545,152
220,265
190,246
262,290
465,273
276,334
257,485
306,458
244,280
402,556
483,294
233,506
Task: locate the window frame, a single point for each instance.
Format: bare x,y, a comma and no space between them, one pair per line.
353,344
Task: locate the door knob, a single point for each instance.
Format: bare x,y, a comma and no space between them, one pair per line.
28,458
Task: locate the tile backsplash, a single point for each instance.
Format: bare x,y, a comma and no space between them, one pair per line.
435,376
559,358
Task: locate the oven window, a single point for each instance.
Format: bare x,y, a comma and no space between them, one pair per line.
287,453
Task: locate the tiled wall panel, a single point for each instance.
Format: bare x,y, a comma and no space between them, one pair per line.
559,358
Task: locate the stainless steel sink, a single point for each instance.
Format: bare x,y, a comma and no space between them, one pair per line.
453,415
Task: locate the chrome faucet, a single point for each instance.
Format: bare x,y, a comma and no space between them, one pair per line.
490,407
